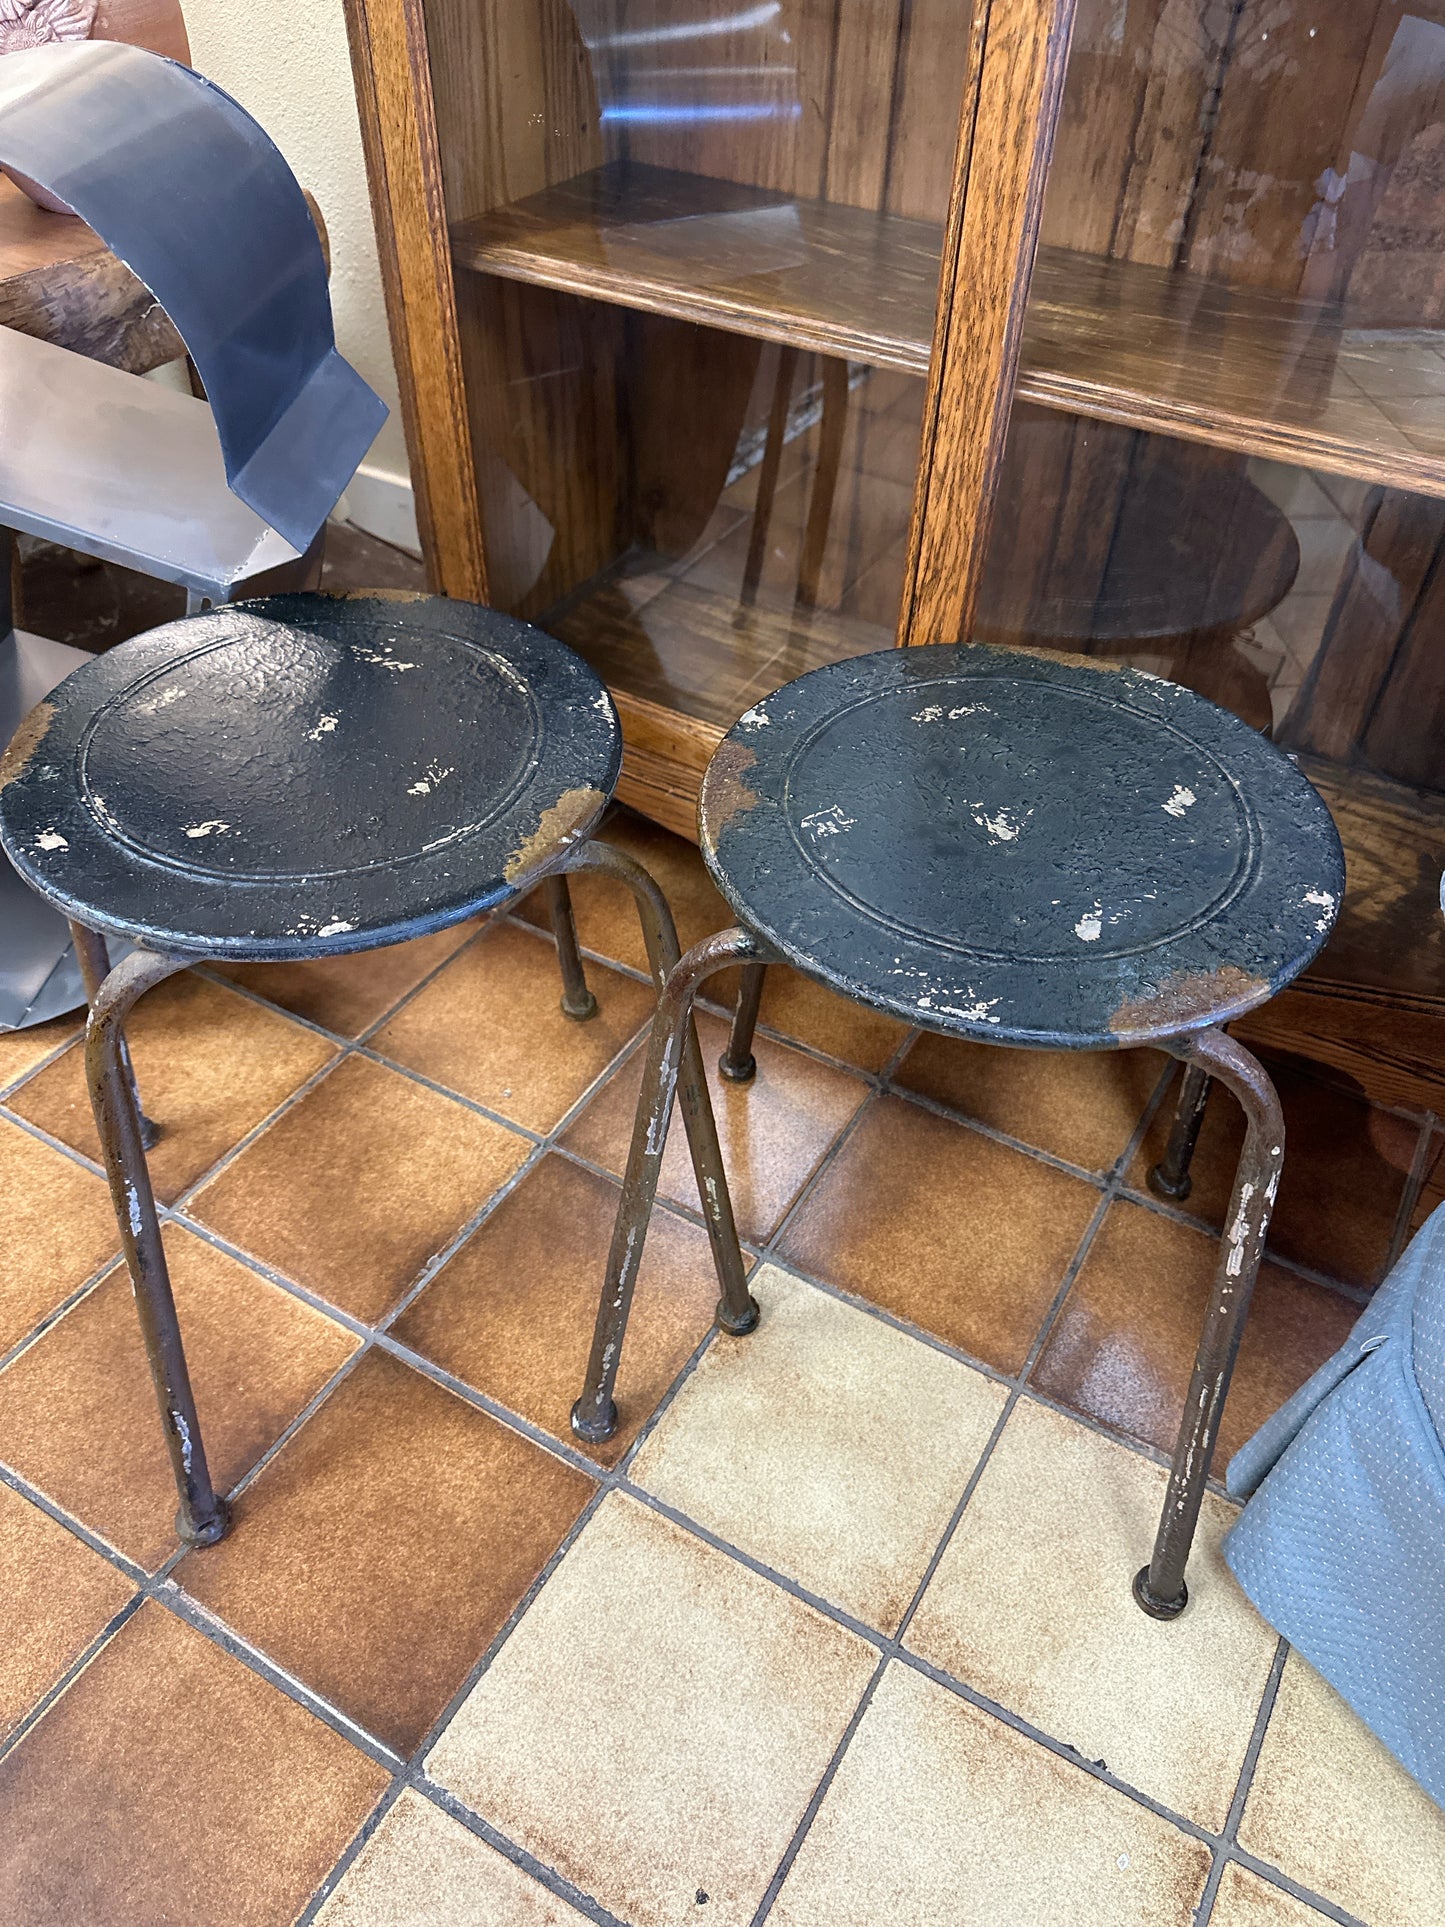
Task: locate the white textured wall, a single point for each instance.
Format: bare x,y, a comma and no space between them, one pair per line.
289,66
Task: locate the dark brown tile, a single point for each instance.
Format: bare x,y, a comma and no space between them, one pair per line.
356,1188
798,1008
350,994
171,1783
1124,1344
943,1227
78,1415
513,1312
22,1050
490,1025
57,1596
606,912
59,1230
210,1065
380,1553
773,1131
1081,1105
1345,1166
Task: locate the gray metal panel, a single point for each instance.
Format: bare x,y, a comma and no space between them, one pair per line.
193,196
123,468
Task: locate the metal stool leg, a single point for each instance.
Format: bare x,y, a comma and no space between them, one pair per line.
203,1515
1159,1587
94,960
672,1048
578,1003
1170,1176
736,1312
737,1062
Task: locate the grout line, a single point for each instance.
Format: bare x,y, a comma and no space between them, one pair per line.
1205,1910
161,1587
50,1057
26,1724
819,1794
341,1866
54,1316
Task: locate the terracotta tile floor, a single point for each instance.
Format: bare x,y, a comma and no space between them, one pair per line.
836,1632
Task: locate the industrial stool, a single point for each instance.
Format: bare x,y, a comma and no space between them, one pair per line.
1035,850
298,777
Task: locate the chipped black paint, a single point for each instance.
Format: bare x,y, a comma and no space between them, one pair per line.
305,775
1022,848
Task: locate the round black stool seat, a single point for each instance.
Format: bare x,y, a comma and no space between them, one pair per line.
307,774
1027,849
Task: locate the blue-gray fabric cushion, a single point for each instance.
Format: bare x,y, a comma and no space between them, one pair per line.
1342,1546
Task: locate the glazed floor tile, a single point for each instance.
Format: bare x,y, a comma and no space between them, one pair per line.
1031,1605
827,1445
943,1817
421,1866
166,1782
656,1723
1332,1810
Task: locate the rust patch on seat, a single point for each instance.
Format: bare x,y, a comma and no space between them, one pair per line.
24,743
725,794
562,822
1186,997
1102,665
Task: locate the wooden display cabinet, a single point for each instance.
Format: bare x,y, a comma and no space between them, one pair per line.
738,336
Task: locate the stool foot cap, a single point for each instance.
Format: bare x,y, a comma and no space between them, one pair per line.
1158,1608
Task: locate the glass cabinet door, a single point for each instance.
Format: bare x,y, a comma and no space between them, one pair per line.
1226,461
696,246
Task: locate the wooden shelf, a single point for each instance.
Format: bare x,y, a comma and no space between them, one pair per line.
1155,349
839,280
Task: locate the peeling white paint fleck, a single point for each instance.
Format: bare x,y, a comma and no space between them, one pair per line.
1004,826
929,715
1322,900
755,718
132,1209
381,661
829,822
426,784
163,701
183,1433
969,709
323,728
51,840
1090,926
335,929
1180,801
205,829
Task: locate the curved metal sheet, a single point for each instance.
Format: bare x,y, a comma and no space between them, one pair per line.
196,199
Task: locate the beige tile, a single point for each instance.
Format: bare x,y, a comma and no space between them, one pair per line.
1031,1604
941,1816
657,1722
828,1445
1244,1900
1335,1812
423,1869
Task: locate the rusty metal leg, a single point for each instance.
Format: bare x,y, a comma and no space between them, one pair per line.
203,1515
736,1312
578,1003
94,960
594,1416
1159,1587
1170,1176
737,1062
